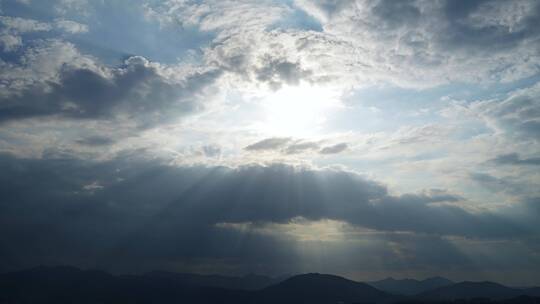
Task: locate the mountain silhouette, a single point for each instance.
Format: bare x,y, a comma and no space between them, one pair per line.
72,285
63,285
410,286
321,288
248,282
469,290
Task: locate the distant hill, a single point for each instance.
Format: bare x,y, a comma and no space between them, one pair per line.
469,290
321,288
71,285
63,285
248,282
410,286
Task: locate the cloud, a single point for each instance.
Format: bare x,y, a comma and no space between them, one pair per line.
337,148
13,27
10,42
514,115
70,26
499,184
275,71
515,159
300,147
155,215
11,34
65,83
95,141
273,143
211,150
289,146
438,40
22,25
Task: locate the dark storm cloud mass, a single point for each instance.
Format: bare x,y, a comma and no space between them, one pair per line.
127,214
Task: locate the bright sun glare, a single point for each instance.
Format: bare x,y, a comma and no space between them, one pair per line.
297,110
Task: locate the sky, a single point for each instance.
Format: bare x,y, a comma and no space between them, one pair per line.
361,138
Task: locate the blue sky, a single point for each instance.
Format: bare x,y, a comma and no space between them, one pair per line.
400,126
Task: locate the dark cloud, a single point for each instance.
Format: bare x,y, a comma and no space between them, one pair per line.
95,141
515,159
136,90
273,143
277,71
301,146
287,145
337,148
121,212
499,185
488,30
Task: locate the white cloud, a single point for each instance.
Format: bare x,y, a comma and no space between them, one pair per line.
10,42
70,26
22,25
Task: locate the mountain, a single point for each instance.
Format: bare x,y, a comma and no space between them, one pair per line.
410,286
71,285
248,282
317,288
469,290
63,285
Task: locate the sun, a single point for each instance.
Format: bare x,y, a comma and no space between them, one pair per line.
297,111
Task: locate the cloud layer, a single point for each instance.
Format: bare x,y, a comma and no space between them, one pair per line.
114,214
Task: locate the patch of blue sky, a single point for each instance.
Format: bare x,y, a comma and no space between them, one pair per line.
122,30
119,29
388,107
37,10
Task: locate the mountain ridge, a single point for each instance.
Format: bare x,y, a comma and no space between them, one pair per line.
408,286
66,284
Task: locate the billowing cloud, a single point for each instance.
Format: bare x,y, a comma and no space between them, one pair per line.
437,39
76,86
174,214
